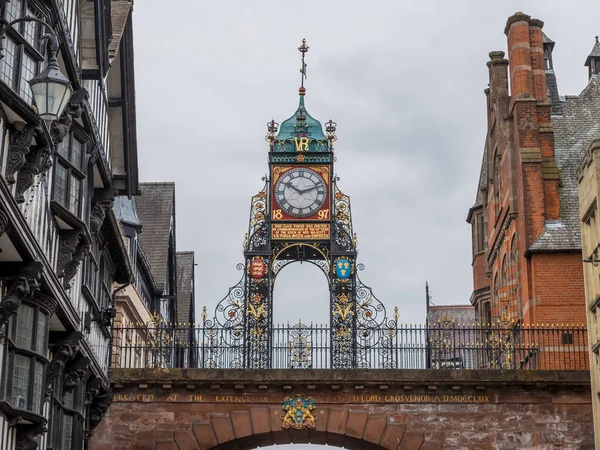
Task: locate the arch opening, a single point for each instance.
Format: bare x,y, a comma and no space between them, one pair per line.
301,293
298,440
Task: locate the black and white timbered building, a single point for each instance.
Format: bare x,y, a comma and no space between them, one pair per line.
62,255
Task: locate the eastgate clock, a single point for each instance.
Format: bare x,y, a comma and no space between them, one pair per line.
300,192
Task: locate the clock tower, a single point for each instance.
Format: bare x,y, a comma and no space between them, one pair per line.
301,215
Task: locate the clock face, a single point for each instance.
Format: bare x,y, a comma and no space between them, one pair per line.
300,192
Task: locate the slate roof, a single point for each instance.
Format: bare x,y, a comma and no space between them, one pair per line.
154,207
482,184
574,130
483,178
185,279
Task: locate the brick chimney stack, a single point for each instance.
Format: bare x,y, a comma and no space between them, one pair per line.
532,127
526,57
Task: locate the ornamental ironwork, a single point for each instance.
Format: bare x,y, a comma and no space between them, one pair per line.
441,345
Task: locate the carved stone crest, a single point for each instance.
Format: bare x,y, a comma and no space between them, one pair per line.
298,413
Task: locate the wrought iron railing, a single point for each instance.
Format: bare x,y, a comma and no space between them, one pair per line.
300,346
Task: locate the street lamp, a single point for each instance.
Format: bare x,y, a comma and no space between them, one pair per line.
51,89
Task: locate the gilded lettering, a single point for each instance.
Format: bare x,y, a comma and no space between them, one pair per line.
197,398
172,398
301,144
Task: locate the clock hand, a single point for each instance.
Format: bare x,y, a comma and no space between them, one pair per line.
290,185
304,191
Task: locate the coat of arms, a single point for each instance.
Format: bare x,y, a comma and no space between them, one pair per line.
298,413
343,269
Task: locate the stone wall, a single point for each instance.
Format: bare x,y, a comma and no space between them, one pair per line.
416,409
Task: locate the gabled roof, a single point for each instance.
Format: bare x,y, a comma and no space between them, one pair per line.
155,208
574,130
185,285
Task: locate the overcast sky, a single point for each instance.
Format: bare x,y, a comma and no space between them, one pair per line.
404,81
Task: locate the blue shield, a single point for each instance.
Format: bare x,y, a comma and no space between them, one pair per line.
343,269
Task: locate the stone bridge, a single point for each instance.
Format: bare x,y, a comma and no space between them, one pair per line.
185,409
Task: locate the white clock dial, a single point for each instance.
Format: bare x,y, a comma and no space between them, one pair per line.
300,192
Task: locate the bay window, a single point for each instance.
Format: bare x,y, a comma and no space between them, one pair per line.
66,425
27,359
69,175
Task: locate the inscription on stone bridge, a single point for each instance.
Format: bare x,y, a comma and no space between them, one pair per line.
328,399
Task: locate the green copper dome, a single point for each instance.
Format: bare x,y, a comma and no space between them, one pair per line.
301,124
301,133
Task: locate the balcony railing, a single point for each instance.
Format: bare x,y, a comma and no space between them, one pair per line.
537,347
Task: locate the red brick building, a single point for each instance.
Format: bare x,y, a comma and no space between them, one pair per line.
525,222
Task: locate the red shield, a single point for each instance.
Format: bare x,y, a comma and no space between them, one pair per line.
258,268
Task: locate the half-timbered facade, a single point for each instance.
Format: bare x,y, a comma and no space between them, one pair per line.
62,255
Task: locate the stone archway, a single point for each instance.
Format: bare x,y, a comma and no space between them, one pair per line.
248,428
188,409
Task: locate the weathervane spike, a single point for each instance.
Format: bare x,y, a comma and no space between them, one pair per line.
303,49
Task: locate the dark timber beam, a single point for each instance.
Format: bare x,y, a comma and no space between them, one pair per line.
9,270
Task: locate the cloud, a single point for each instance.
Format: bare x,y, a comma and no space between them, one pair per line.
403,80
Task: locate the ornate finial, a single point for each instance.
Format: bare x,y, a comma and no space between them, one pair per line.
272,128
303,49
330,128
596,39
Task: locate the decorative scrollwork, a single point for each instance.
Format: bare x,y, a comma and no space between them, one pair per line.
225,333
18,148
63,354
69,239
28,436
372,328
300,346
17,292
98,213
37,161
500,344
82,249
342,223
257,236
